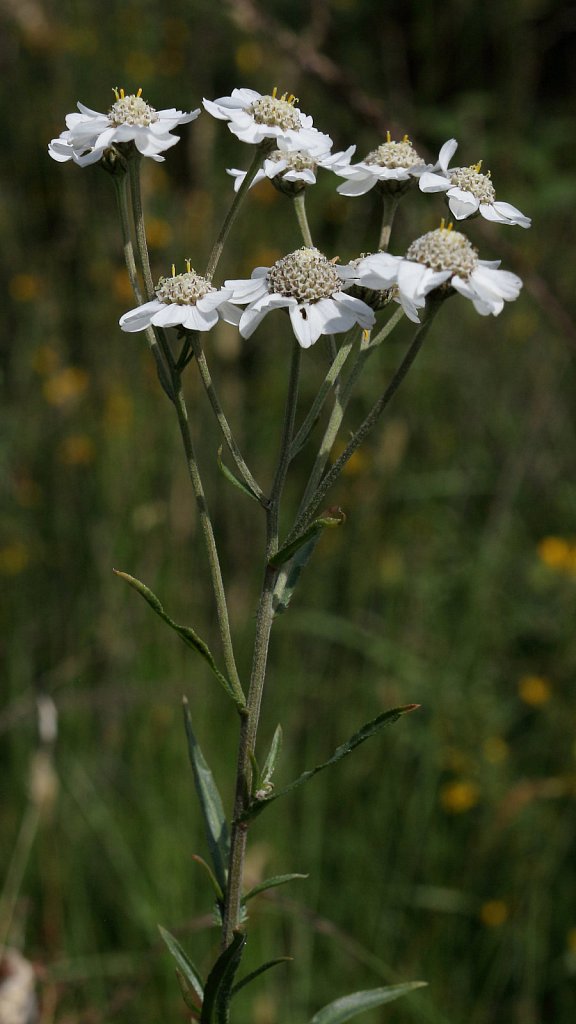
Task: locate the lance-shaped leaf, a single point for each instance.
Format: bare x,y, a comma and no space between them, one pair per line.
185,965
350,1006
331,517
232,479
270,883
260,970
186,633
264,779
210,803
218,989
363,734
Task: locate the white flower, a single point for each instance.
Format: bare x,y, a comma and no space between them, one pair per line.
393,166
291,171
310,287
443,259
255,118
468,191
183,300
130,119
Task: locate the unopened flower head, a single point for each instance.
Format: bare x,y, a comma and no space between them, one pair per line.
392,167
291,171
185,300
469,191
311,287
257,118
130,119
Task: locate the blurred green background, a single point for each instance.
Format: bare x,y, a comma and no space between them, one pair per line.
444,850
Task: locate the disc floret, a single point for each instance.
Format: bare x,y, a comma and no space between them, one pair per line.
305,275
445,249
131,109
185,289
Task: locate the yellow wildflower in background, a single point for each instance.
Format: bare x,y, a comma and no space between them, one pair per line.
534,690
25,287
248,57
495,749
65,386
77,450
494,913
14,558
459,796
558,553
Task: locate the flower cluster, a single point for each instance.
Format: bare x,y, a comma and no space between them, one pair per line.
320,295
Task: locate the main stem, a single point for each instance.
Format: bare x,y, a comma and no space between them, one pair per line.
264,620
261,152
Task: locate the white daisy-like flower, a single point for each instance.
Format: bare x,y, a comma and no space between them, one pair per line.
291,172
468,191
184,300
442,259
310,287
393,167
130,119
255,118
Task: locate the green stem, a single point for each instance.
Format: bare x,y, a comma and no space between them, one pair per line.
299,201
141,243
222,421
261,151
264,620
328,383
209,540
389,207
123,197
177,395
369,422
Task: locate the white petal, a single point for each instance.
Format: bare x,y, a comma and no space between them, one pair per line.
170,315
306,323
357,185
231,314
379,270
462,203
194,319
141,317
501,284
250,319
430,182
446,153
247,290
359,310
411,277
505,213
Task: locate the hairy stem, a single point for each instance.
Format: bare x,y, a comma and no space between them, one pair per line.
222,421
299,201
264,620
389,207
364,429
259,156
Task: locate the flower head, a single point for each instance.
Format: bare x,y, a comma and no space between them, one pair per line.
291,171
184,300
393,167
255,118
310,287
441,259
130,119
468,191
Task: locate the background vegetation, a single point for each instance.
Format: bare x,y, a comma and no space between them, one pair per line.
445,850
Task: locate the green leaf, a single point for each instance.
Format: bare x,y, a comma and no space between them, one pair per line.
363,734
185,965
270,883
234,479
331,517
350,1006
272,758
213,880
186,633
210,802
218,990
260,970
